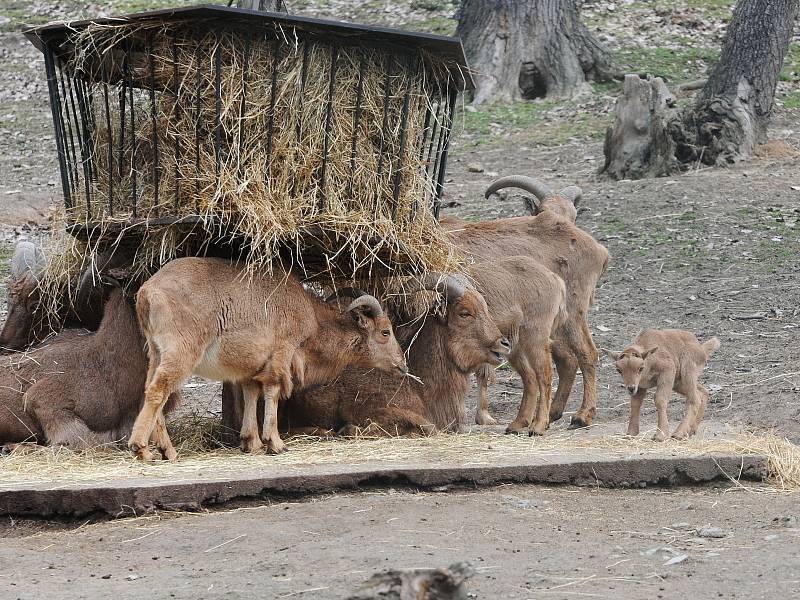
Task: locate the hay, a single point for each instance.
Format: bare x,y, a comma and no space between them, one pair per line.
255,173
58,466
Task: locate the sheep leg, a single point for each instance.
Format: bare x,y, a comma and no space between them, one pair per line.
663,392
519,360
162,440
567,368
275,444
172,370
636,408
587,356
701,411
484,376
543,367
249,439
694,402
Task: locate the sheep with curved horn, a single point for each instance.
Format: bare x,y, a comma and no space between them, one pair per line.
563,203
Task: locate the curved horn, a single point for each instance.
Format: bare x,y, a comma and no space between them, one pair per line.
26,257
348,292
529,184
371,302
451,287
572,193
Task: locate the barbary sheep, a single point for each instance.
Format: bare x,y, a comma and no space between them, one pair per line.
552,240
444,351
78,389
527,301
25,322
266,333
669,360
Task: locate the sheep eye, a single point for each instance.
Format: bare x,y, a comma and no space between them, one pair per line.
385,333
464,315
641,369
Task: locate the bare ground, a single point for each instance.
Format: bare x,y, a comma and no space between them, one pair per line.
526,542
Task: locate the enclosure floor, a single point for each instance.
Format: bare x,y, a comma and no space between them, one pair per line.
115,484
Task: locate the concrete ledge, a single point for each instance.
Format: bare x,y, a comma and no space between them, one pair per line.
128,497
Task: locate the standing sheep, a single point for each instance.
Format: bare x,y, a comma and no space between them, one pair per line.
669,360
266,333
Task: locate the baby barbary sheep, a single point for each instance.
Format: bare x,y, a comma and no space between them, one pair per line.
669,360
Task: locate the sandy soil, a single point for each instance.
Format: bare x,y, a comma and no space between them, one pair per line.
526,541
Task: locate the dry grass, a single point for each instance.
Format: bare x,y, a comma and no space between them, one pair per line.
195,436
256,171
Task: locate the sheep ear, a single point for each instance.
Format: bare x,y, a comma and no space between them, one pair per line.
647,353
532,205
611,354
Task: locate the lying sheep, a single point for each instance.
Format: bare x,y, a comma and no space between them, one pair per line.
266,333
669,360
444,351
78,389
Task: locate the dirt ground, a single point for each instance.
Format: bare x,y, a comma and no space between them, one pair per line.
526,542
716,251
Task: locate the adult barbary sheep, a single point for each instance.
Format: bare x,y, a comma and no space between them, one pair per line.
556,243
25,324
443,353
669,360
78,389
266,333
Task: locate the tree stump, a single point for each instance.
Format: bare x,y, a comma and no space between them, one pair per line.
530,49
640,144
417,584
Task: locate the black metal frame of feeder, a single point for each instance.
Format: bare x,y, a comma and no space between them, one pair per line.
72,102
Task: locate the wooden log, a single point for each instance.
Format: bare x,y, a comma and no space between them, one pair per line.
417,584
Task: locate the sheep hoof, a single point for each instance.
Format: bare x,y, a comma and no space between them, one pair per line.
579,422
484,418
659,437
5,450
556,416
169,454
516,430
276,448
532,432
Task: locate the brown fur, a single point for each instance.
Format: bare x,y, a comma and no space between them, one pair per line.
669,360
527,301
78,389
200,315
579,260
25,322
443,354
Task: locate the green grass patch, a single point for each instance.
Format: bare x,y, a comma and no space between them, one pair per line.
791,64
721,9
669,64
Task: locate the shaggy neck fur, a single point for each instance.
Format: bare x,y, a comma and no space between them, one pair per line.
445,385
324,356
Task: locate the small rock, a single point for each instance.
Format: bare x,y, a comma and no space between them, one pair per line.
131,577
686,506
440,488
785,521
711,532
474,168
771,537
676,559
680,526
106,576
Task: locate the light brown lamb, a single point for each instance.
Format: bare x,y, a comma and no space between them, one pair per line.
669,360
266,333
527,302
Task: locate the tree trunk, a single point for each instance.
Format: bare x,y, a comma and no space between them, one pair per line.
639,144
262,5
530,49
732,112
